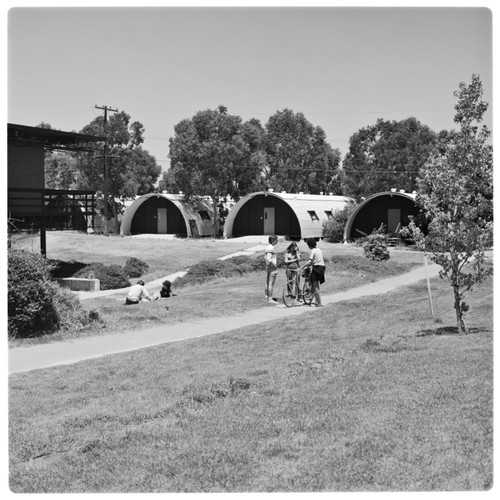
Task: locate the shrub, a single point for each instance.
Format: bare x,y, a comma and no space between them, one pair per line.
111,277
134,268
71,315
258,263
375,247
209,269
243,262
240,264
37,306
333,229
30,294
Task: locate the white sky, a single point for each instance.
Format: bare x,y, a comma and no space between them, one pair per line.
342,67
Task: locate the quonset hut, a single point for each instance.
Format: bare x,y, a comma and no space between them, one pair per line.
295,215
160,213
390,208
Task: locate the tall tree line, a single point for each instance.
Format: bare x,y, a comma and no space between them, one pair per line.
289,153
216,154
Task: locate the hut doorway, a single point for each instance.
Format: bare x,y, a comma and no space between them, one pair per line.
269,220
161,220
393,220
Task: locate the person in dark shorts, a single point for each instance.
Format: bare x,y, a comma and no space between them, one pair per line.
316,263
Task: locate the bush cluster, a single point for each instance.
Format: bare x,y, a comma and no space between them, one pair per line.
240,264
111,276
70,312
333,229
30,293
36,305
207,270
213,268
375,247
134,268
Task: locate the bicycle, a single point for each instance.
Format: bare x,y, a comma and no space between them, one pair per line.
294,294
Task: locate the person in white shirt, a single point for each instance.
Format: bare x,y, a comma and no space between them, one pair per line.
271,269
137,293
317,265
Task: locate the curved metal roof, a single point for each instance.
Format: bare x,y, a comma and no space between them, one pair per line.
402,194
301,204
189,210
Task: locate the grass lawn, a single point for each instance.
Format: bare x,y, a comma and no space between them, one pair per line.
163,256
365,395
220,297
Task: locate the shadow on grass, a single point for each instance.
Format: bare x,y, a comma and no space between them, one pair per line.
62,269
449,330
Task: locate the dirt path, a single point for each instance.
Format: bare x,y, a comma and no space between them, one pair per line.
23,359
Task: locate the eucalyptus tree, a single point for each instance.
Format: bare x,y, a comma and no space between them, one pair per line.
61,170
214,154
299,158
386,155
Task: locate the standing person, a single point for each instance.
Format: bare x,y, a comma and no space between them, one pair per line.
317,265
271,269
137,293
292,261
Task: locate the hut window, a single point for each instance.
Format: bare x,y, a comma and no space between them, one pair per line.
204,215
313,215
329,214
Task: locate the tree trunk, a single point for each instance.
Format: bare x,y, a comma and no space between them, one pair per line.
115,215
215,225
462,330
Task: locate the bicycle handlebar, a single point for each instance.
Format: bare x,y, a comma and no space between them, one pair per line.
298,270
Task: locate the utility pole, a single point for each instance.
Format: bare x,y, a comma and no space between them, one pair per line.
105,167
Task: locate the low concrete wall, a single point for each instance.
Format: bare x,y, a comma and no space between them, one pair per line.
80,284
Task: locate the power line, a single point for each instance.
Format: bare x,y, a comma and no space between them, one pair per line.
300,169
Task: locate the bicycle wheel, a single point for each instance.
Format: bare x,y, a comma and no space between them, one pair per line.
290,293
307,295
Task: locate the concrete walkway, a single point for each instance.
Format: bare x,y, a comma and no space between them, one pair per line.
23,359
